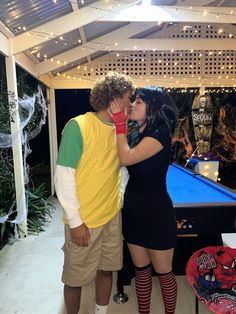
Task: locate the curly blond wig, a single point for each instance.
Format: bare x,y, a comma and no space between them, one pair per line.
110,86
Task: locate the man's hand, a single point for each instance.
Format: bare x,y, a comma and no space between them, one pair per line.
80,235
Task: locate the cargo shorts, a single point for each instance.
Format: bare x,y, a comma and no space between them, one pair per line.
104,252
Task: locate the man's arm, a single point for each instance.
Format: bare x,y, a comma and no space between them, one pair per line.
66,192
70,151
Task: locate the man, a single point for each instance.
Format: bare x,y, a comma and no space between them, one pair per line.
87,183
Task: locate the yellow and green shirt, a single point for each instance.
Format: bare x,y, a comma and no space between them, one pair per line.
88,145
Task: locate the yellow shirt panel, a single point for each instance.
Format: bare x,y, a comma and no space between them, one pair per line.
98,171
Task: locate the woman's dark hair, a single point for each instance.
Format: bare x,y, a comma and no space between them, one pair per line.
160,108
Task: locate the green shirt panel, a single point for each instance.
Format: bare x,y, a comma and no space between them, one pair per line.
71,146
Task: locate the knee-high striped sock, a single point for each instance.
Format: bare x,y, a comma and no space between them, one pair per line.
169,291
143,283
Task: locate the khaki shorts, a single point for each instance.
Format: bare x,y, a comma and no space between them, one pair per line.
104,252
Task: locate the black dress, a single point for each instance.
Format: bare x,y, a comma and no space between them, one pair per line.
148,214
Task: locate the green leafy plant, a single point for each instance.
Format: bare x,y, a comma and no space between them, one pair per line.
7,104
39,208
7,192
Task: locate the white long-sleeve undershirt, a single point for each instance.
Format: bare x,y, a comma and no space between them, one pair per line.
65,185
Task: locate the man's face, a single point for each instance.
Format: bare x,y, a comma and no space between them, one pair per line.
124,101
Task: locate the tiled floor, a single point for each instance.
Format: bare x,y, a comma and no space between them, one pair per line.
30,273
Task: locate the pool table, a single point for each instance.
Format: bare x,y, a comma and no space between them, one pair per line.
204,208
207,205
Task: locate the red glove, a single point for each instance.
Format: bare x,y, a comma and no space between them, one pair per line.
119,119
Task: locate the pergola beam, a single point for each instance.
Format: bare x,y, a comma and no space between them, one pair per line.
65,24
169,44
81,31
190,2
194,14
174,81
85,50
4,44
119,12
23,61
107,44
21,206
5,30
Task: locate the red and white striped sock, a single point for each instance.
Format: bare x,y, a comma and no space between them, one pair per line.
143,283
169,291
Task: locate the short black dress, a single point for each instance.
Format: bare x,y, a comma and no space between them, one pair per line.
148,214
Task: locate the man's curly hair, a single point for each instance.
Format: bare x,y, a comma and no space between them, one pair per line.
110,86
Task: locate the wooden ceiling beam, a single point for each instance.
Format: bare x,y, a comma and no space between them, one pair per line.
194,14
65,24
86,49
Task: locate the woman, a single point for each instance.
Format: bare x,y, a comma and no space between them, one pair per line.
149,225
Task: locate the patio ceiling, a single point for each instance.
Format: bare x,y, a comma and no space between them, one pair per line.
51,38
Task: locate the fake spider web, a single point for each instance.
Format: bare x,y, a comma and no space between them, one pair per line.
30,126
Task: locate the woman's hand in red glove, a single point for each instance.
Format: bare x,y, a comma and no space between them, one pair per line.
119,117
115,107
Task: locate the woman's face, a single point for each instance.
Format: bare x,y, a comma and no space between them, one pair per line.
138,110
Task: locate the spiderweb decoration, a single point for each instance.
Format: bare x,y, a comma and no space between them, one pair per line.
32,113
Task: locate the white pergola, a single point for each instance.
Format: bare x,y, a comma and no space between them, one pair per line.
171,43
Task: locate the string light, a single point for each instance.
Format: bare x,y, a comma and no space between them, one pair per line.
223,89
145,57
168,89
50,35
79,41
116,44
109,10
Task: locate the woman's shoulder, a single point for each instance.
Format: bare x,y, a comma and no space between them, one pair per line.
161,133
159,130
